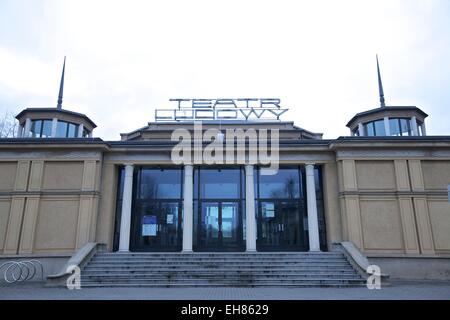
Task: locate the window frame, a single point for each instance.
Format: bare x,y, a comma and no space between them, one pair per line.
41,128
68,123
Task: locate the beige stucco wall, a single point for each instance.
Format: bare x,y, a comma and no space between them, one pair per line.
48,205
395,206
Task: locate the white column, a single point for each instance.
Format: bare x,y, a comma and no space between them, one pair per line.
188,205
415,130
26,130
125,220
387,128
54,126
313,223
250,220
80,131
361,129
424,130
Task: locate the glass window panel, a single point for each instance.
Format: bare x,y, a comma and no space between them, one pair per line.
218,183
284,184
160,183
379,128
405,127
35,129
46,128
61,129
369,129
394,127
73,130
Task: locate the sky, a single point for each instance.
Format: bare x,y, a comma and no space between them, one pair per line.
126,58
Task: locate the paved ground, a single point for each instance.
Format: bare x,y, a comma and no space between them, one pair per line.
397,291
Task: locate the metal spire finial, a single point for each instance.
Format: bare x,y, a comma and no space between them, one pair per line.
380,86
61,86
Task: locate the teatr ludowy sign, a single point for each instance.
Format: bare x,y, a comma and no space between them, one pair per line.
222,109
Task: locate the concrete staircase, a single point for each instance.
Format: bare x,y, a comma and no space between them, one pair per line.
300,269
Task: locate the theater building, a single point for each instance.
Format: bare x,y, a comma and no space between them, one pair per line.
382,188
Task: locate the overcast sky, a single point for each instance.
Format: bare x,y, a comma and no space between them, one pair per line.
126,58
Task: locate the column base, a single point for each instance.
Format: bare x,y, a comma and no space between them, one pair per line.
187,251
315,250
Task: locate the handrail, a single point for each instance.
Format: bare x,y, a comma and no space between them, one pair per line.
79,259
357,259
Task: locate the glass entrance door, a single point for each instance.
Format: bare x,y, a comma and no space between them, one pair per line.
156,226
281,226
218,209
220,226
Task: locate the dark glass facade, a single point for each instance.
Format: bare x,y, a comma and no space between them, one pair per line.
281,209
156,220
219,209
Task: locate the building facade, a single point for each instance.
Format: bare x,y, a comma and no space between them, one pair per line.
60,189
384,188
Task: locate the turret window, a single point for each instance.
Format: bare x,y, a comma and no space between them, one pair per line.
374,128
400,127
66,130
41,128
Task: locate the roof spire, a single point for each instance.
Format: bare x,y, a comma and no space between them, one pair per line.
61,86
380,87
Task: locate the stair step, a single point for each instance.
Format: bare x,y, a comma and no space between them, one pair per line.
216,254
218,263
219,259
219,267
243,281
216,276
234,285
238,269
215,272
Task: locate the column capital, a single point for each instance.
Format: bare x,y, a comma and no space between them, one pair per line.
309,167
249,169
188,169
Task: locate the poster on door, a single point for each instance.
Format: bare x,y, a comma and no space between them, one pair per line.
149,226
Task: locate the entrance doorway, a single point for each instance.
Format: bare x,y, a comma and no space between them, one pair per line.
220,226
281,226
218,207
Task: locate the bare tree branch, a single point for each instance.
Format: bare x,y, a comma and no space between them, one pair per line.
8,125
